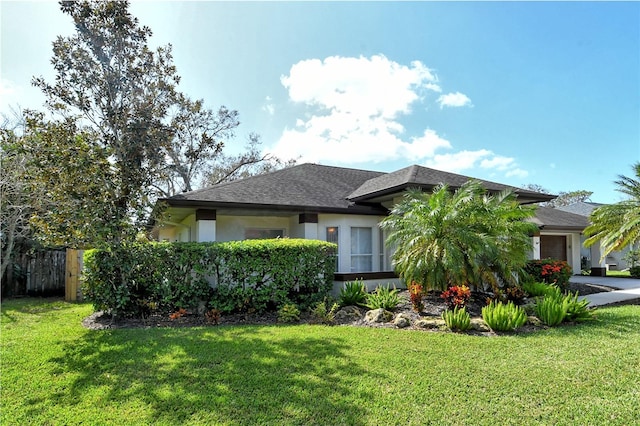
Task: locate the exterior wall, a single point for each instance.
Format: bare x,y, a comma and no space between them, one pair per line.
344,223
232,228
167,233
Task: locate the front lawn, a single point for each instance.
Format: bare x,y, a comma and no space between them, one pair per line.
56,372
619,274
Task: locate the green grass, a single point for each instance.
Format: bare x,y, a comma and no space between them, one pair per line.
56,372
619,274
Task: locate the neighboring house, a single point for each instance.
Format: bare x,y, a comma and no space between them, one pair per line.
614,260
340,205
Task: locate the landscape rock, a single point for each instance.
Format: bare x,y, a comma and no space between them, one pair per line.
378,315
534,321
478,324
431,323
348,314
402,320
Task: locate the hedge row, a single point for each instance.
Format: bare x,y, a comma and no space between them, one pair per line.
259,275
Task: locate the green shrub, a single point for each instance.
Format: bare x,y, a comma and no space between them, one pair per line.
550,271
504,317
457,319
383,297
252,275
289,313
354,293
323,314
535,289
634,271
577,310
552,309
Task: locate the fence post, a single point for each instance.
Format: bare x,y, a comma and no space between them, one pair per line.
71,276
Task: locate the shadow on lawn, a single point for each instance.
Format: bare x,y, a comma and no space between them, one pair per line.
11,307
240,375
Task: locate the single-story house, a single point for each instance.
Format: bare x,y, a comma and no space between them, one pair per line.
339,205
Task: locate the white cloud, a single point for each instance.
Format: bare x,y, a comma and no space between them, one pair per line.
517,172
354,106
352,110
484,159
454,100
458,161
365,87
268,106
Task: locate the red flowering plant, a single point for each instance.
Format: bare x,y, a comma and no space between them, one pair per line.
416,293
550,271
456,296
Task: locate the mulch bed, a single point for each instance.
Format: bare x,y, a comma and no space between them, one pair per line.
433,308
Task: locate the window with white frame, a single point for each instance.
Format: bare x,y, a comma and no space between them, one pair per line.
262,233
333,237
361,249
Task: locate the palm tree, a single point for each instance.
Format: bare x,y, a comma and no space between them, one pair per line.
617,225
462,237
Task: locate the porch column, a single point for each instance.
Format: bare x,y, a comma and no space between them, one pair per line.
205,225
536,246
598,267
309,221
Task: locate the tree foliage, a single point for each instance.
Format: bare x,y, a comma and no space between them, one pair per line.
114,94
617,226
199,137
15,196
563,198
467,236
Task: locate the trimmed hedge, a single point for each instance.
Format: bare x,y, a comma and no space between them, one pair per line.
252,275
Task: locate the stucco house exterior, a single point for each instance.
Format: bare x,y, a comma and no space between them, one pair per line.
340,205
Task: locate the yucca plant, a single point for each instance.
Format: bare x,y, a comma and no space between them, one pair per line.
457,319
383,297
504,317
354,293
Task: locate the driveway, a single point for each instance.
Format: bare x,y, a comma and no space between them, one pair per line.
625,289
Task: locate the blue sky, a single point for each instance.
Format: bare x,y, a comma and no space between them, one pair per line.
536,92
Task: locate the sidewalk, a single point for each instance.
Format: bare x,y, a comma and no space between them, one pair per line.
625,289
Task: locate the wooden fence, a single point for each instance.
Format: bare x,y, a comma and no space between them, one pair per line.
39,273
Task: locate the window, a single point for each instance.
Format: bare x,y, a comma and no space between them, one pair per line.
262,234
333,237
361,250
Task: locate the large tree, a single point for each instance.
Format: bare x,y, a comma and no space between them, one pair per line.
465,236
116,91
617,226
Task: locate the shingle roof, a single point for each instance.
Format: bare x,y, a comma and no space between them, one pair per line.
582,208
550,218
305,186
426,178
326,188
